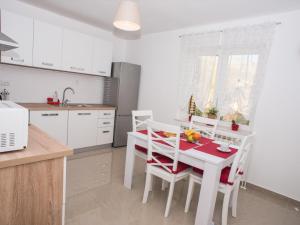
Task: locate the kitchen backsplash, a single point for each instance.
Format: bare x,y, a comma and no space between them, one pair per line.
35,85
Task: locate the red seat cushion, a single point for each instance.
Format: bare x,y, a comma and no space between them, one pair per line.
180,166
224,174
141,149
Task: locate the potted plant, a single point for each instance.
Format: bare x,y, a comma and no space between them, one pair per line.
234,126
212,113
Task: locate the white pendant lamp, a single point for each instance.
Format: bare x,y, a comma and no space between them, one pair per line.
128,16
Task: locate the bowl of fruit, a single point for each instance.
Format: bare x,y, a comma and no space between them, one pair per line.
192,135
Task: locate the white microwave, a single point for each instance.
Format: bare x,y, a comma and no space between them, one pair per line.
13,126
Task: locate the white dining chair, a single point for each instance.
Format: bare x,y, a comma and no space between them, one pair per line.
162,159
206,126
229,180
139,122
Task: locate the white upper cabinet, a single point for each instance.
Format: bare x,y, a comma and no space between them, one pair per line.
44,45
20,29
102,57
47,45
77,52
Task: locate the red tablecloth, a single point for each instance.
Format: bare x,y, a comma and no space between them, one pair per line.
211,148
207,146
184,145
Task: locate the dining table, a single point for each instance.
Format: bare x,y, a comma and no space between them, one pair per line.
201,156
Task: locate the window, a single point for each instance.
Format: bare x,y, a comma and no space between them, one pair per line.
208,66
241,74
224,71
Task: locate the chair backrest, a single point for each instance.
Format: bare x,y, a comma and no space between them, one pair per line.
139,118
229,137
164,146
237,167
205,126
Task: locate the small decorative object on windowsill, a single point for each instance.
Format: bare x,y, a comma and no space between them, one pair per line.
212,113
192,107
234,126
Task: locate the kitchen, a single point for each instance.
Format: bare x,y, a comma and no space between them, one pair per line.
80,80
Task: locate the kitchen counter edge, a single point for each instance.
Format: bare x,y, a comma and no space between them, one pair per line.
40,147
47,107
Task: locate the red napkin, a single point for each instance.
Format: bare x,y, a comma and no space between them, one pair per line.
211,148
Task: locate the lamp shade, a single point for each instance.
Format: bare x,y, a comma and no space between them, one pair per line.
128,16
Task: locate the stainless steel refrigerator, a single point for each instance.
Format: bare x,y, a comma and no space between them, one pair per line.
121,90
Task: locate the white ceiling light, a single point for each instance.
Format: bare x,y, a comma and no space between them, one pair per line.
128,16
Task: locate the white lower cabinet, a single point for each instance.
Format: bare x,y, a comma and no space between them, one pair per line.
105,135
82,129
78,128
54,123
105,127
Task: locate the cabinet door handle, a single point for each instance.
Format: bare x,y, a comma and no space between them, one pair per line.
105,131
102,72
107,114
50,114
76,68
106,122
47,64
83,114
16,60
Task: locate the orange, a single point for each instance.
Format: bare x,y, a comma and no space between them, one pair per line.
196,136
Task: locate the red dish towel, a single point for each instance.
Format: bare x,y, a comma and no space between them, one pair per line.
211,149
184,145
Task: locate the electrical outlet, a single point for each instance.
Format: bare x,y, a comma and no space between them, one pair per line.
4,83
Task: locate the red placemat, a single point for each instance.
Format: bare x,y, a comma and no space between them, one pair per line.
184,145
211,149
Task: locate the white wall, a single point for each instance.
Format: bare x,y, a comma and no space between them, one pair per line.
275,161
34,85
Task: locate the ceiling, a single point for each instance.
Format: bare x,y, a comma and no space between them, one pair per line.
161,15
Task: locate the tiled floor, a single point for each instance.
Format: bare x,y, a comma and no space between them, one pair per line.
113,204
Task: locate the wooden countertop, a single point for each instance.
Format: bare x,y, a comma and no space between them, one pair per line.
40,147
44,106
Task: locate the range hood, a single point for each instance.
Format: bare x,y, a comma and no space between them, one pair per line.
6,43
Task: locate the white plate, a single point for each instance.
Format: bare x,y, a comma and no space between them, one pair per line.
219,142
221,150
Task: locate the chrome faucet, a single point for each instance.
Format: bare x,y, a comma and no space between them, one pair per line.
64,100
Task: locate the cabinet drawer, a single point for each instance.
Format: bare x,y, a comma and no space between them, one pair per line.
106,122
107,114
105,135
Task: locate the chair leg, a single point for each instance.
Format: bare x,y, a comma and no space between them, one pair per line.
147,186
225,207
170,196
164,185
151,184
235,194
189,195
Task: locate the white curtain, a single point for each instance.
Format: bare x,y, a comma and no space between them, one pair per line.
195,70
245,51
224,69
